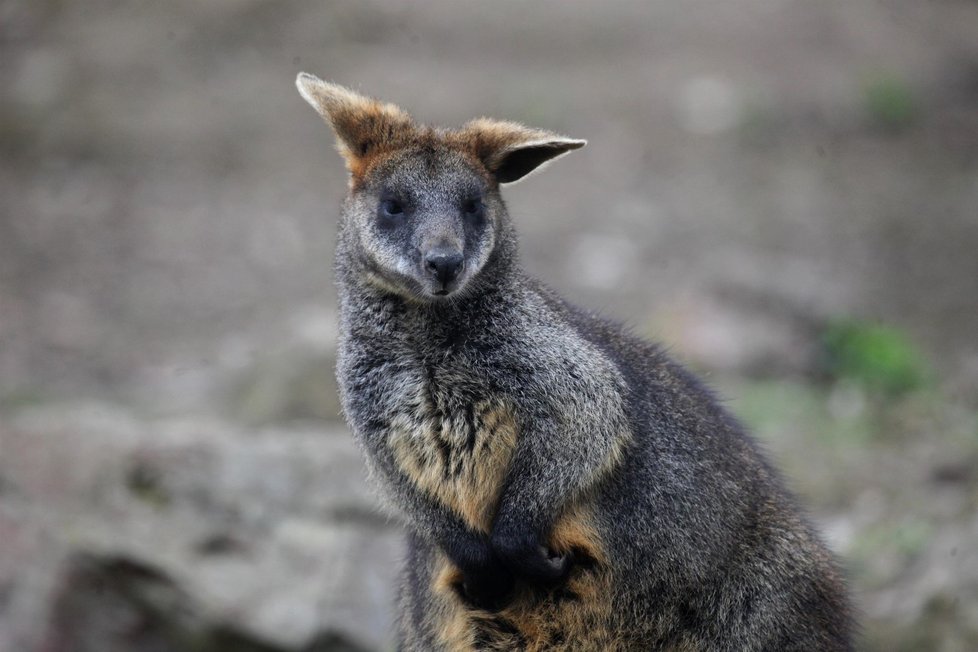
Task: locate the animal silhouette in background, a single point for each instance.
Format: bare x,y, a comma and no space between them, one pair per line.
565,485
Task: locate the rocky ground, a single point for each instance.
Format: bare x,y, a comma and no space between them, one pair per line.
122,533
173,474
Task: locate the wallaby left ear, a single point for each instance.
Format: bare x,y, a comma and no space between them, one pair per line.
511,151
364,126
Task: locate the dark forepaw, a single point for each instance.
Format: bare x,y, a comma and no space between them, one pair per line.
531,559
487,590
486,583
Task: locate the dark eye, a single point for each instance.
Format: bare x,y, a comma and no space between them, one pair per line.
472,207
391,207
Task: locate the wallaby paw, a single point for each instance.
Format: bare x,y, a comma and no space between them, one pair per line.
531,559
490,591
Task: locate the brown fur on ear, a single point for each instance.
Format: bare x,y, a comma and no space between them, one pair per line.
364,127
509,150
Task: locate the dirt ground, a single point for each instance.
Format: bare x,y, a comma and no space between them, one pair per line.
757,172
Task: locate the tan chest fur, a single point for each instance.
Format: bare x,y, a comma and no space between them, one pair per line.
459,458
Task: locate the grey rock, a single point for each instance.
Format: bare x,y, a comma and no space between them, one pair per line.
118,604
194,530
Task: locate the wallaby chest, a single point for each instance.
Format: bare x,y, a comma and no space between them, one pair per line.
452,436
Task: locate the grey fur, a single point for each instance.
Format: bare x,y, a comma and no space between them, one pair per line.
632,511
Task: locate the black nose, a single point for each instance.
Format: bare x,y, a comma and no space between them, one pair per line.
443,265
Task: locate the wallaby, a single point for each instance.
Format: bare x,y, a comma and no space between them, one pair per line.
565,485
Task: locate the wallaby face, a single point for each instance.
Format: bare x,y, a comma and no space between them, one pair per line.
426,219
424,207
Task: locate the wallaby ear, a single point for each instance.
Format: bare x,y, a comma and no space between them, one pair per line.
364,127
511,151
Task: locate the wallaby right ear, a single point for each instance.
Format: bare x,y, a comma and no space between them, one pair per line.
511,151
364,127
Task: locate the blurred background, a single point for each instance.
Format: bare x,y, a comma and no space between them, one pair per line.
783,192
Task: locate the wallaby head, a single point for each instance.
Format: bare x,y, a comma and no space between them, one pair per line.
424,215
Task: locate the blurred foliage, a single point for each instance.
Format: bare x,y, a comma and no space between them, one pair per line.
877,357
890,102
839,417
